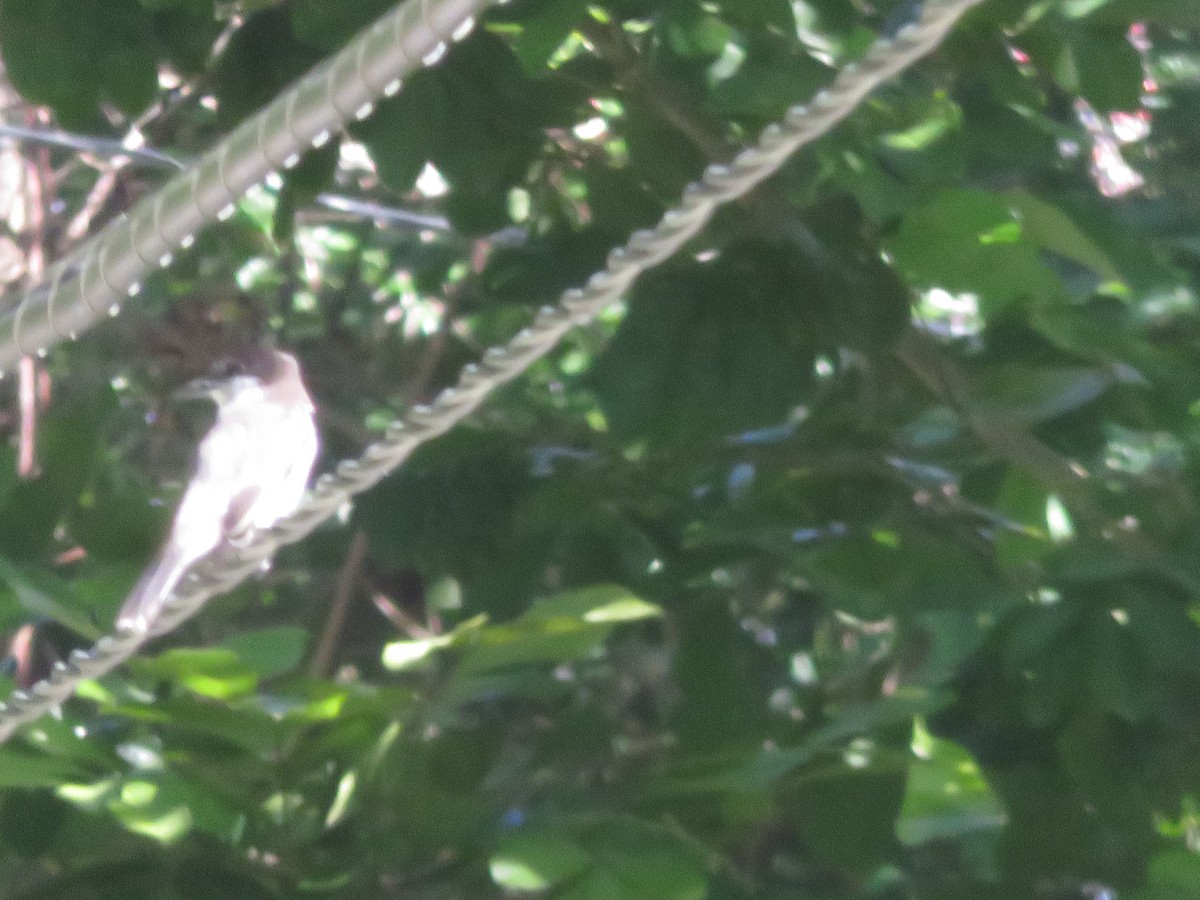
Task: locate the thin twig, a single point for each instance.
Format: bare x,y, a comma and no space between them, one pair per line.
343,593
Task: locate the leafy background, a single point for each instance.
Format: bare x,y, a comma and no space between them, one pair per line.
853,556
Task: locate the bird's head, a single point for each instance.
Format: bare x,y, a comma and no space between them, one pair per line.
248,370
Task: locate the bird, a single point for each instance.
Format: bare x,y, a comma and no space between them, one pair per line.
252,469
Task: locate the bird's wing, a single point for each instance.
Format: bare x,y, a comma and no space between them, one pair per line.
287,471
240,514
195,531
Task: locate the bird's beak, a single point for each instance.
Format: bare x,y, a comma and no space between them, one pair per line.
197,389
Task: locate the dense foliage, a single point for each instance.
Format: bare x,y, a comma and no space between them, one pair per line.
856,555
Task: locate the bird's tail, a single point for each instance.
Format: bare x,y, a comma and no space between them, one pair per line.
145,601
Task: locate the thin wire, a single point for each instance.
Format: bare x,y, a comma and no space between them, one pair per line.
720,184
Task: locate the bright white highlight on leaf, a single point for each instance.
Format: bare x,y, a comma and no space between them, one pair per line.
593,129
249,274
727,64
948,315
430,182
1058,520
341,800
353,156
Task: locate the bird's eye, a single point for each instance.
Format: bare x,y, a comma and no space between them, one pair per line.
228,368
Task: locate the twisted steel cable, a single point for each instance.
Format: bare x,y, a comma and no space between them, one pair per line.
646,248
89,284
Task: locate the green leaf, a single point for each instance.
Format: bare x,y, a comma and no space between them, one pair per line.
946,797
1105,68
26,770
73,55
41,594
570,626
1054,230
262,57
70,440
215,672
540,29
477,105
301,185
329,24
270,651
600,605
970,242
1023,395
847,815
1173,875
708,350
635,862
533,861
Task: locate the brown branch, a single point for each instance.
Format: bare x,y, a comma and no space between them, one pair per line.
1026,452
664,99
347,579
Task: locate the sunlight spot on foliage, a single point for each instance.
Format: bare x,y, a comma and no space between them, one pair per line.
596,420
323,709
804,670
519,204
87,796
574,362
342,798
168,78
250,274
280,804
353,155
948,315
424,318
516,875
1058,520
591,129
626,609
567,50
727,64
819,45
1005,233
1136,453
430,182
138,792
858,755
400,655
140,756
922,740
1180,300
166,828
609,107
943,117
886,538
